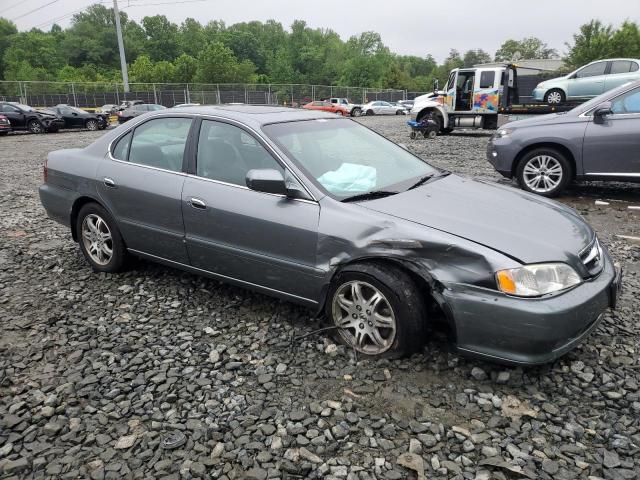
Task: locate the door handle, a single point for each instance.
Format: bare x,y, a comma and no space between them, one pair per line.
197,203
108,182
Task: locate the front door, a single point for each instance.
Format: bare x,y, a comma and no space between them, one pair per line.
588,81
257,238
142,186
612,144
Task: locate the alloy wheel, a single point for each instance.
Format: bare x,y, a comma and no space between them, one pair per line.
364,316
97,239
35,127
92,125
542,173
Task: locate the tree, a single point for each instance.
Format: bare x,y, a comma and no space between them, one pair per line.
7,29
141,70
525,49
595,41
33,51
475,57
218,64
162,38
185,70
192,37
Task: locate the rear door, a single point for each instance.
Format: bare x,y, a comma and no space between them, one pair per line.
621,72
612,146
588,81
141,184
252,237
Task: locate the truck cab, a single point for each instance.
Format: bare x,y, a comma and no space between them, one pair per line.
472,98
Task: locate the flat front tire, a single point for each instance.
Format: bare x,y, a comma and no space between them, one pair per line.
377,310
100,239
544,171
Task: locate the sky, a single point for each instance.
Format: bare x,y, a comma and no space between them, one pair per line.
417,27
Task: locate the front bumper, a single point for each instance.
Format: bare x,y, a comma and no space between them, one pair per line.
538,94
530,331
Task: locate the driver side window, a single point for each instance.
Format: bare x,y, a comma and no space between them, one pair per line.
627,103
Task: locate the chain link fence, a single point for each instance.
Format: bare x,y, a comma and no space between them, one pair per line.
92,95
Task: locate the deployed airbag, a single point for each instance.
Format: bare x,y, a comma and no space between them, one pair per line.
349,178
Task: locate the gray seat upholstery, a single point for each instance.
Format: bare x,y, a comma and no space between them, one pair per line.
148,154
218,160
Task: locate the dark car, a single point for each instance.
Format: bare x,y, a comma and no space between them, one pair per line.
24,117
598,140
77,118
320,210
136,110
5,125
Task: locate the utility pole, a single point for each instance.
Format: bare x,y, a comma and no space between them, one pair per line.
123,59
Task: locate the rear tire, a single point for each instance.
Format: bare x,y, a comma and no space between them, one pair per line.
100,240
555,96
544,171
389,303
399,112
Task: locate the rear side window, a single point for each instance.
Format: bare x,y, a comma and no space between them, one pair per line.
160,143
592,70
121,148
634,67
487,79
620,66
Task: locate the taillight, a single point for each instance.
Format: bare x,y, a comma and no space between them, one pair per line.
45,171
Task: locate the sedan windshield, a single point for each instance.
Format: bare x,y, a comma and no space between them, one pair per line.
25,108
345,159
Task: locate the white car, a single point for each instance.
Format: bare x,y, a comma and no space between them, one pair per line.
107,109
378,107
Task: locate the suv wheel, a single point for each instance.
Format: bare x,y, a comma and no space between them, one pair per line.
544,171
377,309
34,126
100,239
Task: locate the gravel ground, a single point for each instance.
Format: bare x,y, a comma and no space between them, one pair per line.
98,372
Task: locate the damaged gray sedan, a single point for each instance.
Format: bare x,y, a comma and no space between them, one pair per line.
322,211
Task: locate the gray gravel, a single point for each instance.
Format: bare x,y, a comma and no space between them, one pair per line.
100,373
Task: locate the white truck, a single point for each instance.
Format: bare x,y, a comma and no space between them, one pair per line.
354,109
479,97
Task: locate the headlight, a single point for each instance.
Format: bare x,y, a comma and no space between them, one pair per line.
538,279
503,132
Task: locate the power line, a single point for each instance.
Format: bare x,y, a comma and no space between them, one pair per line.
34,10
66,15
162,3
20,2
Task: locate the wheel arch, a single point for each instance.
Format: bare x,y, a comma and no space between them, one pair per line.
78,203
438,110
427,284
568,154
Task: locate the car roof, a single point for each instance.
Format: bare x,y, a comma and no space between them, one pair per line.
255,114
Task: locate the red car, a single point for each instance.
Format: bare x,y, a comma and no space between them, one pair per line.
328,107
5,125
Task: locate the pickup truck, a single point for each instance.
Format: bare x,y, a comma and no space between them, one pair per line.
354,109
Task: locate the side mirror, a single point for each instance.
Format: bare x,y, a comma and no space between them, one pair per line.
602,111
266,180
436,84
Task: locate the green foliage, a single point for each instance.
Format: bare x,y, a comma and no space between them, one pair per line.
595,40
525,49
162,51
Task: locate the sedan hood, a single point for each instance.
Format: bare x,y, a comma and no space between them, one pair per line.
526,227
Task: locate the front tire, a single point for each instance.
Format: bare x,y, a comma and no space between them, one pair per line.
369,113
100,239
555,96
544,171
34,126
356,112
378,310
92,125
